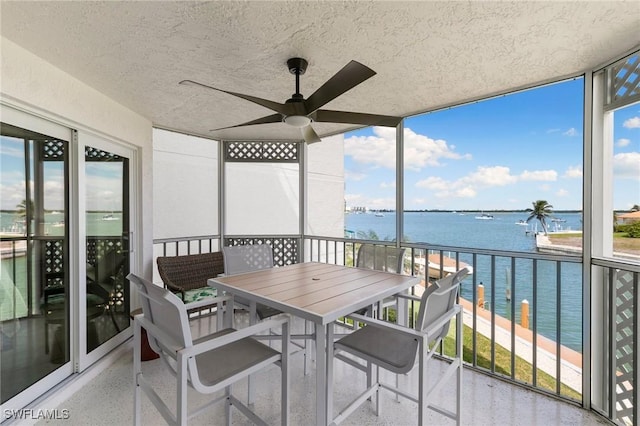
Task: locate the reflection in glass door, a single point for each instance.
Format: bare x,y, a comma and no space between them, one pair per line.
107,242
35,330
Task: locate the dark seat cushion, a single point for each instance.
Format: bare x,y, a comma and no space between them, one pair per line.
387,348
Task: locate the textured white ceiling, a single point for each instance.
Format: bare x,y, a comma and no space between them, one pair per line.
426,54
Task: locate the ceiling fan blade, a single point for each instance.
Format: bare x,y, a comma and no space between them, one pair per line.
328,116
344,80
273,118
274,106
310,135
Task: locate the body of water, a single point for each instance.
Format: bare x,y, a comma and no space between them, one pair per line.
503,232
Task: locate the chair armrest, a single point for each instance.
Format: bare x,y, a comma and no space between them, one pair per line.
409,297
225,339
206,302
171,286
383,324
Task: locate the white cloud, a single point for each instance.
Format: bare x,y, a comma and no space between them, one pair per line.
573,172
482,177
419,150
632,123
539,175
627,165
571,132
385,185
562,193
12,147
490,176
622,142
434,183
467,192
353,176
553,130
545,187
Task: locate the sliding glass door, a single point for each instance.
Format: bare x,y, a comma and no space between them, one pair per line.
104,189
35,298
65,240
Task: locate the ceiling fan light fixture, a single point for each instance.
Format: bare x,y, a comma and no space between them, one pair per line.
297,120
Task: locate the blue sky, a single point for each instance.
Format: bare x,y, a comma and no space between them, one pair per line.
502,153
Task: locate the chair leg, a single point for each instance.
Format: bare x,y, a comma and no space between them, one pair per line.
284,366
253,319
227,408
306,350
423,348
378,406
459,356
181,414
137,370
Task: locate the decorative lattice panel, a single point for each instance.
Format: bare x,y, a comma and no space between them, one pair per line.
54,263
285,250
268,152
53,150
624,81
94,154
625,335
96,249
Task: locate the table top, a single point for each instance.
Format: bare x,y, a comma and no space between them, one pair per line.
319,292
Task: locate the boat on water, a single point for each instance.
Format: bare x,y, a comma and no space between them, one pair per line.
485,216
109,217
379,214
437,263
522,223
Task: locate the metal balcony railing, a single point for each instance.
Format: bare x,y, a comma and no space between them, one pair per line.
523,312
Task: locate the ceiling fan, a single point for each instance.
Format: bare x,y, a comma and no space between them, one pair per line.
300,112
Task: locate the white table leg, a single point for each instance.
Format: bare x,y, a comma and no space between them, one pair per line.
329,394
321,375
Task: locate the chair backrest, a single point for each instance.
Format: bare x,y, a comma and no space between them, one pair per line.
106,266
380,258
436,303
190,271
247,258
166,311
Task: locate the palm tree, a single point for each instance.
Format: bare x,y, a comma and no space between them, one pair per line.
22,208
541,210
371,235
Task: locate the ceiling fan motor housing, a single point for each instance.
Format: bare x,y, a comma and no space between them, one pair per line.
297,65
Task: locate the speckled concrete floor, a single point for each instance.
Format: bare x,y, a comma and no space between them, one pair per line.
108,400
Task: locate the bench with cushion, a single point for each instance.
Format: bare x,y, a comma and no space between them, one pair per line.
187,275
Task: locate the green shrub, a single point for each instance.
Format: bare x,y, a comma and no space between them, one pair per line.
633,230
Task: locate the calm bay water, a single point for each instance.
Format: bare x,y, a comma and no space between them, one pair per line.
501,233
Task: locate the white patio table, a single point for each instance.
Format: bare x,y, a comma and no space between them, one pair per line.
320,293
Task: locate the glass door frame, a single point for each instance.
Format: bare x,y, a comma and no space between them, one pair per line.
85,139
32,122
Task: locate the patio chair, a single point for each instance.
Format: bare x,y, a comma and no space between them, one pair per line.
187,275
396,348
100,286
208,364
380,258
248,258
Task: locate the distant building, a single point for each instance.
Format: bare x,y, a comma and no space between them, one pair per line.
629,217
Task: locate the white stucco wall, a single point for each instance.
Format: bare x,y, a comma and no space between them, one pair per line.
260,198
185,191
36,87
